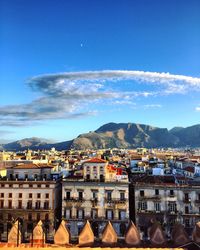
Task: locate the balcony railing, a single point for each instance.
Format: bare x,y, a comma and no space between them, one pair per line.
187,200
115,201
74,199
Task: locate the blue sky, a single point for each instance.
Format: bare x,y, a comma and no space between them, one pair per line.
68,67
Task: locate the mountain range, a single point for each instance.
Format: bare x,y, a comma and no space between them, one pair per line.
117,135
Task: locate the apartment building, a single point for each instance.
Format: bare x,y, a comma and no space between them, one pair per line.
161,198
29,193
99,195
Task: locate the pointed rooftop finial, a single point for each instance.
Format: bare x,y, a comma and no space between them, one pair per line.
62,235
132,236
86,237
179,235
196,233
156,234
14,235
109,235
38,233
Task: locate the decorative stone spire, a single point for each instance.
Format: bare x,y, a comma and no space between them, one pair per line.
196,233
132,236
62,235
179,235
156,234
86,237
109,235
38,233
14,235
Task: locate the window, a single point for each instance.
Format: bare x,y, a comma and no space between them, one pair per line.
80,195
172,207
26,176
2,195
80,214
46,205
186,197
94,213
1,228
39,185
29,205
94,194
9,217
122,215
68,195
38,195
199,197
109,195
20,204
157,206
10,195
142,205
16,176
68,213
38,217
29,227
20,195
35,176
156,191
9,204
30,217
171,192
122,196
1,204
10,185
142,193
47,185
30,195
37,205
186,210
46,216
2,185
30,185
187,222
1,216
47,196
109,214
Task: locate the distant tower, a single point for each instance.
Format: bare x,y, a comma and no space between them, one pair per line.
28,155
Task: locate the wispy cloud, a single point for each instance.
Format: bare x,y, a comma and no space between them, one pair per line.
149,106
72,94
197,109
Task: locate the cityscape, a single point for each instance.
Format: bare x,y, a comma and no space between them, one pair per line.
99,124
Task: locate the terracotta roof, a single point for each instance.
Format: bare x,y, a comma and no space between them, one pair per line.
31,166
95,160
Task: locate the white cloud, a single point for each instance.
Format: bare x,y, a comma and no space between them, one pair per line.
68,95
197,109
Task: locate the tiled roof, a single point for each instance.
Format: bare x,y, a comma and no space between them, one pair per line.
95,160
31,166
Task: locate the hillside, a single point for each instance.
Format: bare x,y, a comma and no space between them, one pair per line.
118,135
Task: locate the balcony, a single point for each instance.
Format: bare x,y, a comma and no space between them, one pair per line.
172,212
73,200
152,198
187,200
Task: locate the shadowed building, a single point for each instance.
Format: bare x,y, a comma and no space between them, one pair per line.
29,193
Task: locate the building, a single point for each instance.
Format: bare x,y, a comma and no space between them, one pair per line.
29,193
99,195
163,199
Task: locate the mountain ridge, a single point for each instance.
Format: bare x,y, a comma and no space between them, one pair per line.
117,135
